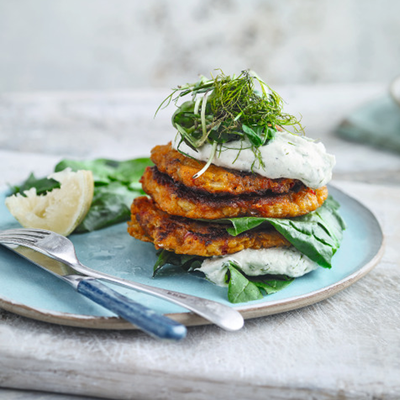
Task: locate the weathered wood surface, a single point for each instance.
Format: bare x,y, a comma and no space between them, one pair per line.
346,347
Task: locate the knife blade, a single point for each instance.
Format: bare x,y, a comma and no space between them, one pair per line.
156,325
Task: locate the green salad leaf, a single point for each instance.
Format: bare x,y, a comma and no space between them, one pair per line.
116,184
185,261
272,283
317,235
110,205
106,171
42,185
241,288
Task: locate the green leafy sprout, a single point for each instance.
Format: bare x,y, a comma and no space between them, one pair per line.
224,109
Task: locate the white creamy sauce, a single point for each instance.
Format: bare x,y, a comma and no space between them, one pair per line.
275,261
286,156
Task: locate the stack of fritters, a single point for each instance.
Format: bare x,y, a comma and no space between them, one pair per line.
180,212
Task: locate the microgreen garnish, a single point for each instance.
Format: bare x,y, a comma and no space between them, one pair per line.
225,108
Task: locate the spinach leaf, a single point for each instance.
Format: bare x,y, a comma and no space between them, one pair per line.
244,224
270,134
42,185
111,205
240,289
185,261
116,184
259,135
163,258
101,169
317,235
106,171
272,284
253,135
243,288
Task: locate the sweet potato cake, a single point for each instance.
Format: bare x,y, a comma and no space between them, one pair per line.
216,180
236,195
177,199
186,236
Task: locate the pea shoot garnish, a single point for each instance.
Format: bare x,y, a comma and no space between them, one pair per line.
226,109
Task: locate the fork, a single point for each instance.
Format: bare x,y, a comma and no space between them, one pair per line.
62,249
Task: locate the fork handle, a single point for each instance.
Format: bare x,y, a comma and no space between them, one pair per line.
144,318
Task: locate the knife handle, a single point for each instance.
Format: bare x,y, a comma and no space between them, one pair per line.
144,318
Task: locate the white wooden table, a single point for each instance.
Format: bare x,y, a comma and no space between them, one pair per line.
346,347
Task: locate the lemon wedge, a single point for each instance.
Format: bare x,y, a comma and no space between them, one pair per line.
60,210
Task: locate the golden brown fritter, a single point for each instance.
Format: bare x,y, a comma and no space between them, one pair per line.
216,180
176,199
135,230
185,236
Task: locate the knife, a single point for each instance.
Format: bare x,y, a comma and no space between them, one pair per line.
156,325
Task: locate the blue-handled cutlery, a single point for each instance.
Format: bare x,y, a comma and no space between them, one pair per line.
142,317
62,249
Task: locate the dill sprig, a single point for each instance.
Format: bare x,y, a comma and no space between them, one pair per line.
229,108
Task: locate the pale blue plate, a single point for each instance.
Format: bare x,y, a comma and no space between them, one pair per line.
29,291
